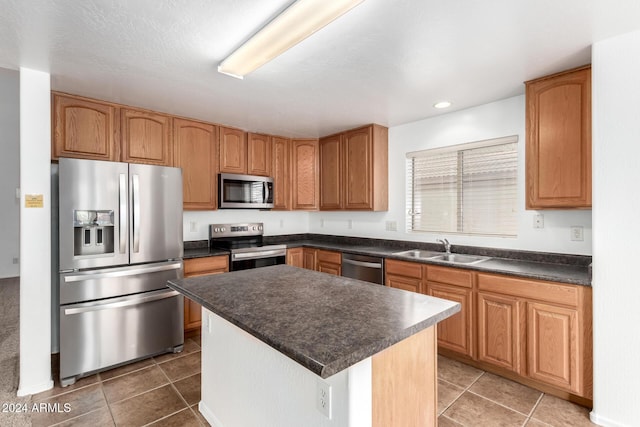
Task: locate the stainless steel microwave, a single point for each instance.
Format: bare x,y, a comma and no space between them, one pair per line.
244,191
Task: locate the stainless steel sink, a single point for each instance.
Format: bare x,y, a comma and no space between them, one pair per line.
439,256
416,253
459,258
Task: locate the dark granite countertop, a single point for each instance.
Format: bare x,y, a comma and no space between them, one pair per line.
324,322
572,269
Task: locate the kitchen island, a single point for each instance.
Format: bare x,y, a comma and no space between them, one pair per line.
285,346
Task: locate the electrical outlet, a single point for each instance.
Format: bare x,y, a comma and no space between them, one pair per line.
391,226
538,221
321,223
350,224
16,260
282,223
323,398
577,233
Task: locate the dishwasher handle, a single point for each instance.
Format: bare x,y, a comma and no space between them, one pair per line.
362,263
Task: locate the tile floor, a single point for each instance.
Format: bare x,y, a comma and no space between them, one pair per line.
165,391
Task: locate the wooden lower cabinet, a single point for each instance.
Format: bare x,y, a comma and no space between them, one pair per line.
200,267
553,345
309,258
455,332
501,331
329,262
403,275
295,257
549,323
533,331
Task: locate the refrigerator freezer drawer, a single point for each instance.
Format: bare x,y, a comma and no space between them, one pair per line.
100,334
112,282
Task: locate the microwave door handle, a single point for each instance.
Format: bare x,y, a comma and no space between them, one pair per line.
136,212
123,213
266,194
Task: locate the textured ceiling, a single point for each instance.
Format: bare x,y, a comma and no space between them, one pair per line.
385,61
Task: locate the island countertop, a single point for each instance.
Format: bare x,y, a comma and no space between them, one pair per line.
325,323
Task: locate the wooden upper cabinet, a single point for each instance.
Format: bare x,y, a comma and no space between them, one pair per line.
195,152
304,182
366,168
354,170
259,154
331,172
281,173
83,128
145,137
233,150
558,154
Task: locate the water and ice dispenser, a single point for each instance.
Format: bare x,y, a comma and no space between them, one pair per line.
93,232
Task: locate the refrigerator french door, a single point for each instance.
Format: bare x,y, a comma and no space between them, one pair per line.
120,234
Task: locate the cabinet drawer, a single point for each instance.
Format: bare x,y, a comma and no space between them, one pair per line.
329,256
452,276
402,268
197,266
530,289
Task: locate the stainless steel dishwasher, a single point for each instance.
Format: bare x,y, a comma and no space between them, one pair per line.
363,267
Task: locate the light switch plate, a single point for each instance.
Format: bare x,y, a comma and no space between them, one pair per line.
577,233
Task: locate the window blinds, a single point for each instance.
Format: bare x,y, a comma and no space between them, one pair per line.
467,189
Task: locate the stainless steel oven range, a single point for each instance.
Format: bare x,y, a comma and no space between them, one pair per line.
244,242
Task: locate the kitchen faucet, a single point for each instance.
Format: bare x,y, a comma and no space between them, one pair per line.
447,245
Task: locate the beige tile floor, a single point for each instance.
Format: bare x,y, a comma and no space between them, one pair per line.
165,391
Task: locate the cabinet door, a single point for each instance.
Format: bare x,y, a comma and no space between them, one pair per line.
500,331
281,174
233,150
329,262
83,129
145,137
455,332
295,257
258,154
331,173
358,166
200,267
304,160
558,155
552,341
195,152
404,282
309,258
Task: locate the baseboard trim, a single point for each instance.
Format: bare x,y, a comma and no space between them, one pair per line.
603,421
34,389
209,415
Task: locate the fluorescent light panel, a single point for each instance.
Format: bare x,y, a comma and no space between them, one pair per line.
295,24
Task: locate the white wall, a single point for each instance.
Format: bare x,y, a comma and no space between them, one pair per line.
616,239
35,233
497,119
9,171
275,222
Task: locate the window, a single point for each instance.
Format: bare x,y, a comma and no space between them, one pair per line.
467,189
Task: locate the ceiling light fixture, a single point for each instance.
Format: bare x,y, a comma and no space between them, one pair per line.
442,104
296,23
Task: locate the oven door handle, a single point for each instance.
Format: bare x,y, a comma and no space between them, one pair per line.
258,254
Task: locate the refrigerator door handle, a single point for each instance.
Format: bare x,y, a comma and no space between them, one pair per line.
125,302
122,272
123,213
136,213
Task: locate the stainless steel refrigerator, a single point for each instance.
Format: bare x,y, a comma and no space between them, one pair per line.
120,240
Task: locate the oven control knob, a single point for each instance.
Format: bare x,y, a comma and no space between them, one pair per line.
260,228
253,228
215,230
222,229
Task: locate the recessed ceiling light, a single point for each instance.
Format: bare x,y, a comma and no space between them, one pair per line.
442,104
296,23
